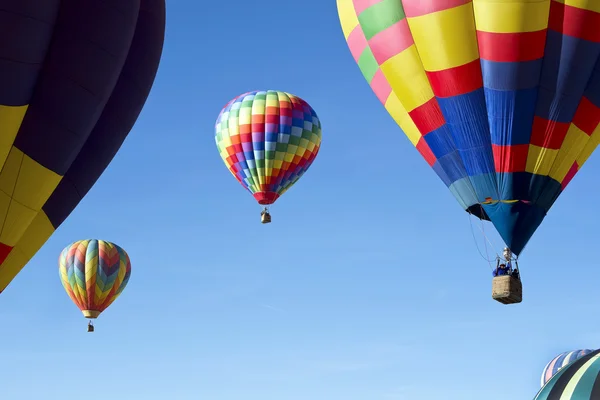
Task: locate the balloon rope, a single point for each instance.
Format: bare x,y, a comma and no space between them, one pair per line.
485,243
485,257
487,240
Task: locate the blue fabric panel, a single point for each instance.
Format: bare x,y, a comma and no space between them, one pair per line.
510,115
437,168
592,92
568,66
544,190
466,117
514,185
509,76
485,186
440,141
463,191
452,168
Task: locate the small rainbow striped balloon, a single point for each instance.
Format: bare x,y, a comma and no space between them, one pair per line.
268,140
560,361
94,273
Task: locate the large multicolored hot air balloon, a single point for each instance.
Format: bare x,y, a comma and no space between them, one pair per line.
561,361
74,76
501,98
268,140
93,273
579,380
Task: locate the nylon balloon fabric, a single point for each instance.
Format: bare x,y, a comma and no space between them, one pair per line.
502,99
268,140
74,76
94,273
579,380
561,361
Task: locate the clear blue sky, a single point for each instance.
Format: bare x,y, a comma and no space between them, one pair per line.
367,285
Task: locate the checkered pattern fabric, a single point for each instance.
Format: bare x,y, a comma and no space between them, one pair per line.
268,140
501,98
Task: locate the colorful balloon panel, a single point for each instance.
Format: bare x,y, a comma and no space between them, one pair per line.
502,99
579,380
561,361
268,140
94,273
74,76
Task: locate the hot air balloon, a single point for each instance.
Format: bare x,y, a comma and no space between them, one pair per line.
93,273
74,78
501,98
561,361
268,140
579,380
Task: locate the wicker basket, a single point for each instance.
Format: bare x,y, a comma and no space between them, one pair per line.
507,290
265,218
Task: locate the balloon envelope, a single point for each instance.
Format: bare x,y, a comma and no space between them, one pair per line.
268,140
74,76
94,273
560,361
501,98
579,380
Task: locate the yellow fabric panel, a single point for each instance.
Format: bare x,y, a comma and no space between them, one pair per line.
313,139
244,117
35,184
400,115
4,206
347,14
232,128
259,106
405,74
17,219
10,171
289,156
272,101
591,5
589,148
10,122
27,185
572,146
445,39
302,147
100,295
511,16
540,160
38,232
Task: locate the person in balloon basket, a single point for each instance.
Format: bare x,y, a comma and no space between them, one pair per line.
514,272
502,269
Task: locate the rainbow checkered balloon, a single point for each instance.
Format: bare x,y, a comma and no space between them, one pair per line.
268,140
93,273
